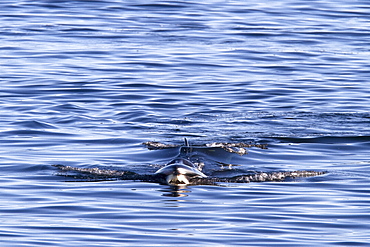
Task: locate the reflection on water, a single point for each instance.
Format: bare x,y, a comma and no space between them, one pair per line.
175,191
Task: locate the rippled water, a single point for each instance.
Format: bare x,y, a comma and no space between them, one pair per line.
84,83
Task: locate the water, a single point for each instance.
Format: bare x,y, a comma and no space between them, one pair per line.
84,83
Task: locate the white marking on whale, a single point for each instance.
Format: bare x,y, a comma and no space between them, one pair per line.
179,170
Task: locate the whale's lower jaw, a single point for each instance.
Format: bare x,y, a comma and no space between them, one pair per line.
179,172
177,179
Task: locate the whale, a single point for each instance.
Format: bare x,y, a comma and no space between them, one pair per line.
180,171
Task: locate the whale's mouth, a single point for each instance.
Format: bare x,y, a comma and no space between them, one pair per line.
179,171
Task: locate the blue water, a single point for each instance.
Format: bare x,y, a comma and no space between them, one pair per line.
84,83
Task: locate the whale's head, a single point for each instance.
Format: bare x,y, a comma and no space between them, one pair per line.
179,171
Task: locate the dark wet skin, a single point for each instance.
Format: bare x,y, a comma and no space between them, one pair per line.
97,174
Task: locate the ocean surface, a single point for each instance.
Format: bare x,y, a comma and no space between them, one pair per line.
85,83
